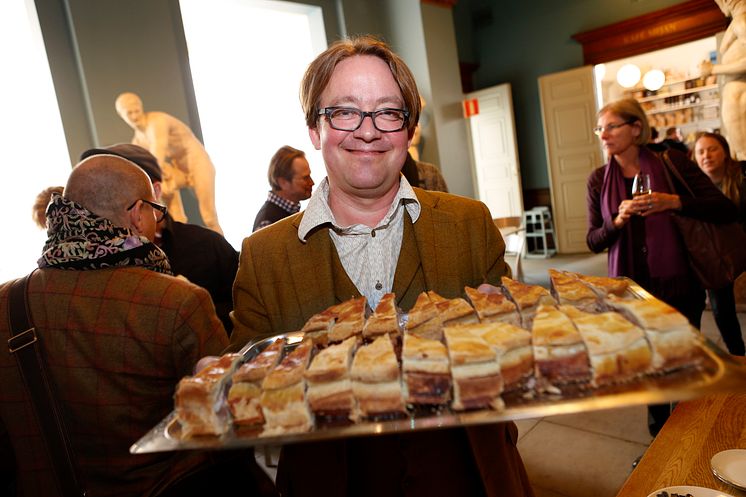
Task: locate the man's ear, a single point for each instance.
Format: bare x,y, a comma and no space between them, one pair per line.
157,190
136,218
284,184
313,133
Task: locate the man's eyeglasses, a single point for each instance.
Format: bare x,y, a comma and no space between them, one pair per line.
160,210
611,127
350,119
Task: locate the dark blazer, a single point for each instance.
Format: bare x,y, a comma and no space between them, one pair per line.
283,281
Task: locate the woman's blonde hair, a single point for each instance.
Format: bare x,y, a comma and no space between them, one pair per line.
733,176
629,109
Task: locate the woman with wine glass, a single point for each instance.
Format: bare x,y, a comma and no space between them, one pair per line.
639,233
714,158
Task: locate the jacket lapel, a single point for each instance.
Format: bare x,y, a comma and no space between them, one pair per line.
319,280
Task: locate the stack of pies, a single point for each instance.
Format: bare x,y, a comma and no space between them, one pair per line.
514,353
477,382
453,311
451,354
493,306
350,320
528,298
604,285
560,355
617,349
243,396
385,319
318,326
200,399
567,289
426,371
424,319
283,397
329,386
375,379
671,337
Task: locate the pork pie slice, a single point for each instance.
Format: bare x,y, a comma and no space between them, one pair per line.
350,320
424,319
376,382
453,311
246,387
560,356
283,398
426,371
618,350
200,403
385,319
318,326
604,285
673,340
477,382
568,290
527,298
493,306
329,390
514,352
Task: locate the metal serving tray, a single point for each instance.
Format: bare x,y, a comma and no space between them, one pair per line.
717,373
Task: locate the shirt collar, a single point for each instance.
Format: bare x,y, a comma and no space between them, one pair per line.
284,204
318,212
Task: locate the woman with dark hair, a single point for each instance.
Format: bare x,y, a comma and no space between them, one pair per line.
639,233
714,158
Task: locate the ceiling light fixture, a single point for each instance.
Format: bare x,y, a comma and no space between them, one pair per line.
628,75
653,79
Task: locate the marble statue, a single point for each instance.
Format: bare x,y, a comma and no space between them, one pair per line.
183,159
732,67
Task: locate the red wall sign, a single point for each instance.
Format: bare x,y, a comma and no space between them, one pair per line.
471,107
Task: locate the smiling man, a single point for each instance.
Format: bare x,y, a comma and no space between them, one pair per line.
367,232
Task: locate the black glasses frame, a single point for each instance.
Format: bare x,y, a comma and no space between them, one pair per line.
328,111
162,209
611,127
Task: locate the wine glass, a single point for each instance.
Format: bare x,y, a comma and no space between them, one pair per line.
641,185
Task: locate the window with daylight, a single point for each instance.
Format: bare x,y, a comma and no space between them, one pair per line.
247,58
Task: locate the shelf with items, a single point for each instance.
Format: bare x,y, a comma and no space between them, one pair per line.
693,104
664,94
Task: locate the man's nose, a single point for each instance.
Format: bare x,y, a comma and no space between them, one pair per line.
367,128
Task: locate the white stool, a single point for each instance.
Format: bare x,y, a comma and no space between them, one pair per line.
539,233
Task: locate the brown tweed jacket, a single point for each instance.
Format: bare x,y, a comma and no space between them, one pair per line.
116,342
282,281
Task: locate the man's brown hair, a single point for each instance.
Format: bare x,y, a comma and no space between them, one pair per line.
319,72
281,165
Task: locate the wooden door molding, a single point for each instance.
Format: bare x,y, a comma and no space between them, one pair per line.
688,21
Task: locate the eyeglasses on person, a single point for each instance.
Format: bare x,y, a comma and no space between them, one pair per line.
350,119
160,209
611,127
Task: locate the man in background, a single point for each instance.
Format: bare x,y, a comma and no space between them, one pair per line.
290,179
181,156
674,140
202,256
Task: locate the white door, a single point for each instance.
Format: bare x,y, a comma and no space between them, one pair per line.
568,112
495,152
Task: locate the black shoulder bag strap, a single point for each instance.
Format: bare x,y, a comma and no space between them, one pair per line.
24,345
670,169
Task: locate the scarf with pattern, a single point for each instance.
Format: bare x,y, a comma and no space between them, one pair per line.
81,240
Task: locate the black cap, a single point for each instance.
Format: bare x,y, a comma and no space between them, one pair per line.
131,152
